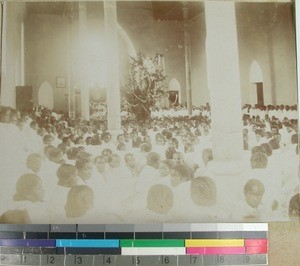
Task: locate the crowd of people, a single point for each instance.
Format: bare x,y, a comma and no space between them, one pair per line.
55,169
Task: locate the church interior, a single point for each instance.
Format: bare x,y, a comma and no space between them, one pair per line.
179,102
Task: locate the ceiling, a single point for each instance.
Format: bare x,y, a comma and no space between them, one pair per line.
162,10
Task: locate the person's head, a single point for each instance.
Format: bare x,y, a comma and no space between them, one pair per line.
165,167
181,173
145,147
275,144
259,133
160,140
121,138
253,192
130,160
160,199
107,153
188,147
63,147
34,162
294,206
153,159
277,136
259,160
121,146
79,200
67,175
48,139
207,156
203,191
127,137
294,139
15,217
13,118
134,135
106,137
99,163
34,125
88,140
4,114
178,158
115,161
267,149
29,188
56,155
173,142
84,165
96,140
72,153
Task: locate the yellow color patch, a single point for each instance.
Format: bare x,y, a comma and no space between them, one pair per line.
214,243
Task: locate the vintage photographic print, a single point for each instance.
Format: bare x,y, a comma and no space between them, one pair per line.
148,112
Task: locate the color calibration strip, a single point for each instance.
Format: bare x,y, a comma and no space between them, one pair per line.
153,244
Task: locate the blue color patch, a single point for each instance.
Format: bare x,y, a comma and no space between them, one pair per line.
86,243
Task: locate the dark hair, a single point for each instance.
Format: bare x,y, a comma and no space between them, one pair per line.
25,184
253,182
267,149
15,217
64,172
294,206
259,160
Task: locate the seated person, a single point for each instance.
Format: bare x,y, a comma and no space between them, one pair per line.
84,165
131,164
107,153
149,173
100,164
135,139
165,172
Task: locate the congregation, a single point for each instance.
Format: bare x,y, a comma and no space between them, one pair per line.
57,169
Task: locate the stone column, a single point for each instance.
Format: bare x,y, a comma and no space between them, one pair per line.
187,54
112,66
85,96
71,61
8,87
22,54
223,78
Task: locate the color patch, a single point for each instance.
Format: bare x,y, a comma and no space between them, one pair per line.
214,243
257,250
256,242
101,243
152,243
27,242
153,251
215,250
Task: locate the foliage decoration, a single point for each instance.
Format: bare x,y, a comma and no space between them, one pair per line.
145,86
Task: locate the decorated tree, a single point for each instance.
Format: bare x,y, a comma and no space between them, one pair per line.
145,87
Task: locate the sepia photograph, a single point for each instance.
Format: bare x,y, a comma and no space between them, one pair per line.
148,112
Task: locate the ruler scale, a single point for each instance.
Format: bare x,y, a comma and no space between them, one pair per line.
149,244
